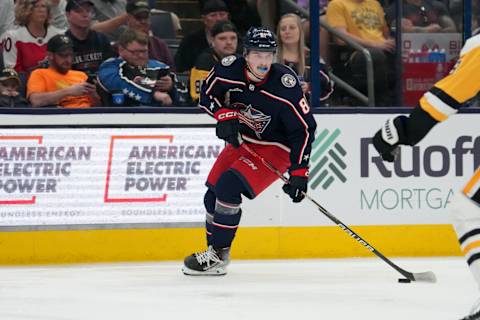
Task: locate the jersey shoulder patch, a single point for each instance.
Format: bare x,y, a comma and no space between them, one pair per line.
227,61
288,80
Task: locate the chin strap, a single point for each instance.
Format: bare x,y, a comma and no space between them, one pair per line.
249,70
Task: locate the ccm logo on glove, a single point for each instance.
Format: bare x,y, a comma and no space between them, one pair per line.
223,115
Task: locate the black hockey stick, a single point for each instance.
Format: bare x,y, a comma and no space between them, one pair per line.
427,276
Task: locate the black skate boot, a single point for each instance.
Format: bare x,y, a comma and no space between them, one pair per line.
211,262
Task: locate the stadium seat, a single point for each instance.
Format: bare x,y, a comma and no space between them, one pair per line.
161,24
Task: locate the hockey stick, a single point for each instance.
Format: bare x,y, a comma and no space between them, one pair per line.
427,276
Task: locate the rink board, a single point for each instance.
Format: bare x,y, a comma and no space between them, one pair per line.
120,187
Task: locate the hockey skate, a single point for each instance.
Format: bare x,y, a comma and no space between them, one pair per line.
211,262
474,312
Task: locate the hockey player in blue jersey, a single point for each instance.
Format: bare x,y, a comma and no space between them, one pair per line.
260,103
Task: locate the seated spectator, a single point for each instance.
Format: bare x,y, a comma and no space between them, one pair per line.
10,84
421,16
363,21
139,19
194,43
24,48
60,85
224,43
110,17
90,48
293,53
245,14
133,79
7,16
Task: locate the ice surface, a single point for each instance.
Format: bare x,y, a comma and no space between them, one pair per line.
264,289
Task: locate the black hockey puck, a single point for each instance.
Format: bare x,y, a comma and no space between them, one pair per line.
404,280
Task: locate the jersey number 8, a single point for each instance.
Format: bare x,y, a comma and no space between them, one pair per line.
304,106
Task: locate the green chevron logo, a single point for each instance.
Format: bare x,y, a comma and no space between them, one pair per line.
326,164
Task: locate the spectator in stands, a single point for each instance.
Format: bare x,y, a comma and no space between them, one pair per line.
245,14
421,16
224,43
90,48
364,22
132,79
59,85
293,53
10,90
25,48
139,19
193,44
7,15
110,17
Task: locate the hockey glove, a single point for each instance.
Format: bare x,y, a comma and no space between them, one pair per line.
388,139
297,184
228,126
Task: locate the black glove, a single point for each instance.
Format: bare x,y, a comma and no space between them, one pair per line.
388,139
297,184
228,126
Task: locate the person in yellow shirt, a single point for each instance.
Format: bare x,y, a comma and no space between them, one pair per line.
59,85
364,21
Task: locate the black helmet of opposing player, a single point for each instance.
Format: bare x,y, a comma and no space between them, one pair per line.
260,39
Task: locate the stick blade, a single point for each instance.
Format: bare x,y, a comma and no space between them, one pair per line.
428,276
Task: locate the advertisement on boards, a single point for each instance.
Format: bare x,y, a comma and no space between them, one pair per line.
348,177
104,176
91,176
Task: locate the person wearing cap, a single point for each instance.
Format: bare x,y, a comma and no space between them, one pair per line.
59,85
139,19
194,43
90,48
25,47
133,79
224,43
245,14
10,90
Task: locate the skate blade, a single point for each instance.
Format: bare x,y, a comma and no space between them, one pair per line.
212,273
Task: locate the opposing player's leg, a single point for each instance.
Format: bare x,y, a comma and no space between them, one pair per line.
466,221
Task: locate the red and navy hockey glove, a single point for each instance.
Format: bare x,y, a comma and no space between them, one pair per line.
297,184
228,126
389,137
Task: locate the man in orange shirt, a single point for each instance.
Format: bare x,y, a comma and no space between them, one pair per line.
59,85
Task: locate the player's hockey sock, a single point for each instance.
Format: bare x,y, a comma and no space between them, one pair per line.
225,223
228,191
209,202
466,220
209,227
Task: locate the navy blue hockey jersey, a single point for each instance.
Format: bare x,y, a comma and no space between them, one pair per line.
273,111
